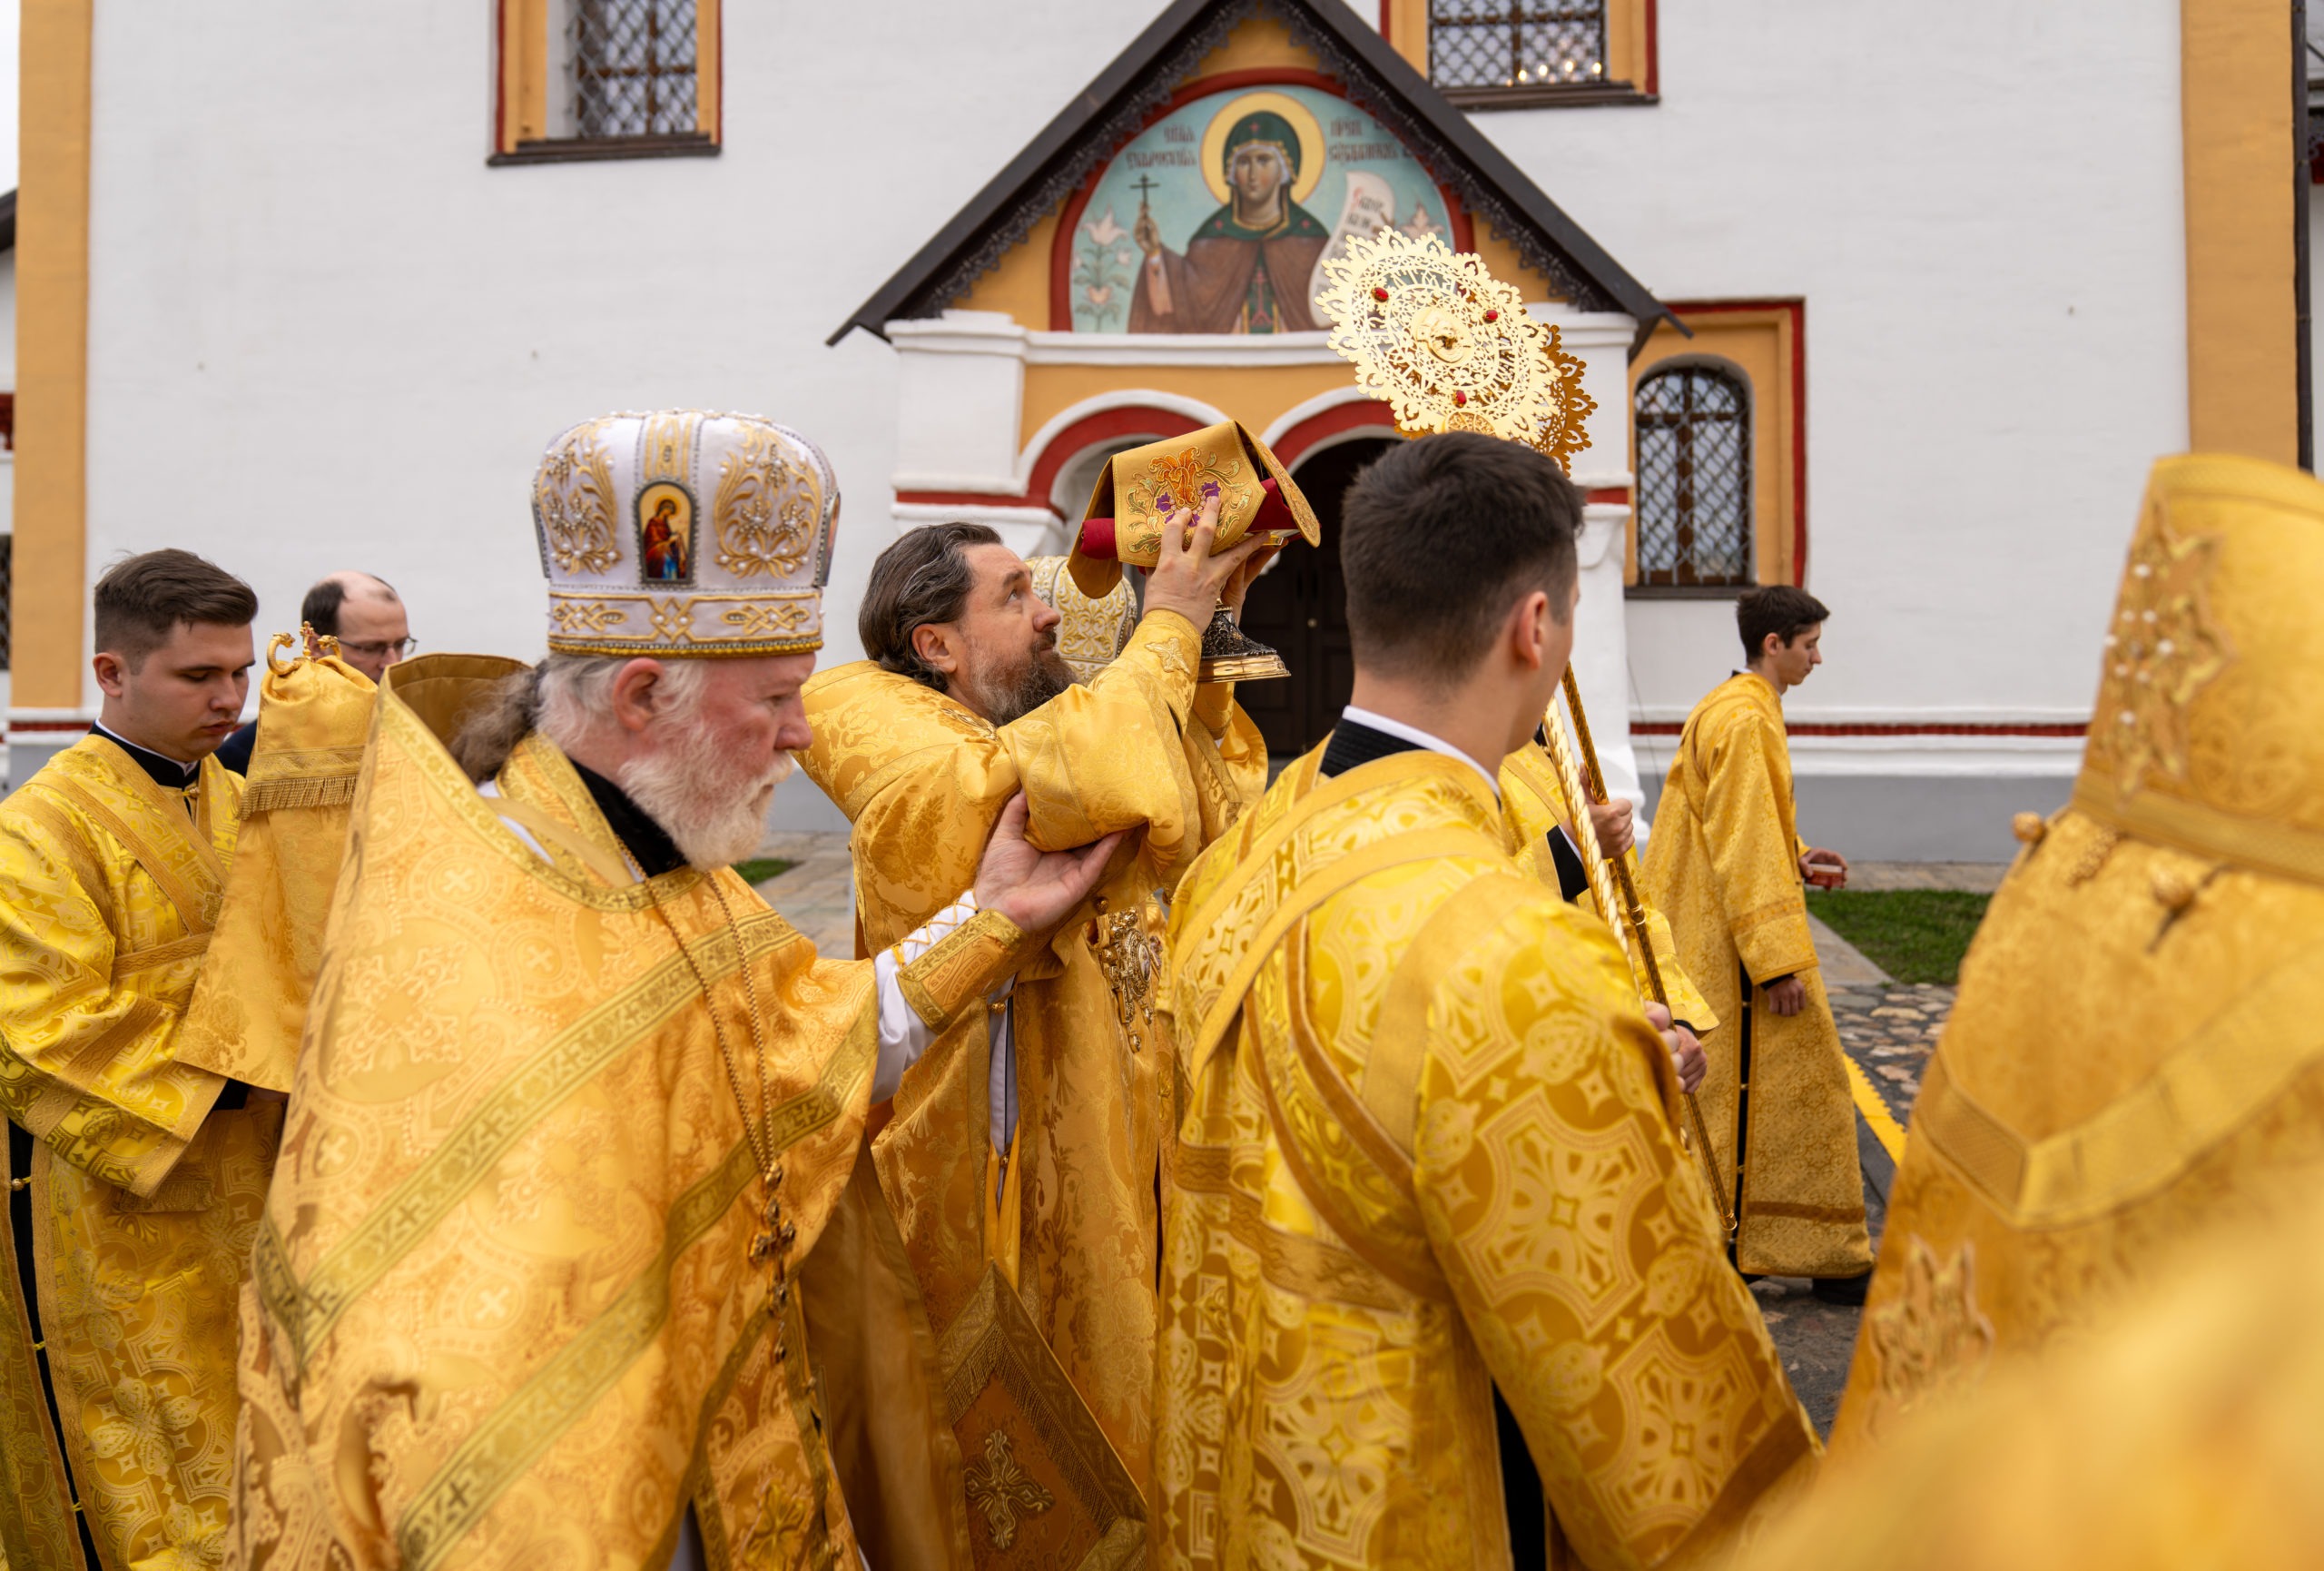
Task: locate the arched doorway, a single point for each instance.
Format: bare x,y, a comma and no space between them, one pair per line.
1300,607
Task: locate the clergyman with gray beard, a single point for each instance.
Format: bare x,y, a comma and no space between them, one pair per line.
1027,1141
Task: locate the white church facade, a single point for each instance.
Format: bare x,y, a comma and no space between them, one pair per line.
1896,304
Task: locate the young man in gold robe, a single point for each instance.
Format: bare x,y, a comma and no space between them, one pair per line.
534,1284
2136,1059
1724,864
136,1177
1031,1138
1441,1287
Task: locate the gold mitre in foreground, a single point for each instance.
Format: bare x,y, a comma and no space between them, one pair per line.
1448,347
1138,489
633,567
249,1006
2208,735
1091,631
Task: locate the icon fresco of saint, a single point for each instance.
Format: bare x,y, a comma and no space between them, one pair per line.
665,535
1247,268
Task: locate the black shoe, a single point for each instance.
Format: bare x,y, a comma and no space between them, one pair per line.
1843,1289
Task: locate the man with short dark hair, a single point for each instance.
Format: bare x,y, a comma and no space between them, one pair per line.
1441,1286
1725,865
366,615
1030,1140
131,1237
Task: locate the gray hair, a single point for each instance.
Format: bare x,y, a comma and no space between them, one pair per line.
921,578
566,699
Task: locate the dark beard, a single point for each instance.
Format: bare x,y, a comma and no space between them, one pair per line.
1040,678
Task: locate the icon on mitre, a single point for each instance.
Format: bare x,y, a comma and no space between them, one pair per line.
1139,490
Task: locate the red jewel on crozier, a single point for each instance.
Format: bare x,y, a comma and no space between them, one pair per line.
1460,399
1492,316
1379,293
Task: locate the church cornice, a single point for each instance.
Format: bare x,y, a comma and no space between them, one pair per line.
1139,82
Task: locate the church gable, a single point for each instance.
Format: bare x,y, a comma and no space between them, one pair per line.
1198,182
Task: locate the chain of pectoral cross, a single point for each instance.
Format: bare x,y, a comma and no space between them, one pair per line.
771,1246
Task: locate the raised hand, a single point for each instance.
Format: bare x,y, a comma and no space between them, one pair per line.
1187,578
1033,888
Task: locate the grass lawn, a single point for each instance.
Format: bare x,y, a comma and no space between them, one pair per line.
1913,935
759,869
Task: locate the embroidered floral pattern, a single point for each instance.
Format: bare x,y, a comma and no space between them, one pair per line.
766,508
574,503
2162,649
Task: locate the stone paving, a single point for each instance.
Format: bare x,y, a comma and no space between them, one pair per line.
816,895
1886,1027
1890,1029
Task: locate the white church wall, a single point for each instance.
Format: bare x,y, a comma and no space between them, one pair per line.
1981,206
1980,203
324,333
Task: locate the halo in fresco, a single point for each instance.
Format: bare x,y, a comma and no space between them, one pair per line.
1218,217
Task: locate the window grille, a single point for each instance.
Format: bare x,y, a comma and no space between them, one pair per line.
1694,478
1512,44
632,67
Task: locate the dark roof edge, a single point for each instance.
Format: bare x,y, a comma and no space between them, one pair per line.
1339,31
9,221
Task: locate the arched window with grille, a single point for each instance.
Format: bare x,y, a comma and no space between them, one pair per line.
1693,476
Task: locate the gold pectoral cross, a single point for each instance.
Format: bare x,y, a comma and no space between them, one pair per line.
1130,959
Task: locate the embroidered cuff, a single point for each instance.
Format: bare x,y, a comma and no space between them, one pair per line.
959,969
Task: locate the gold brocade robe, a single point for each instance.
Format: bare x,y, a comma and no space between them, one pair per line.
248,1016
505,1311
2135,1061
1723,865
142,1198
923,780
1532,800
1426,1148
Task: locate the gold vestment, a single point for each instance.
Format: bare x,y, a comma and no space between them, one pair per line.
923,780
505,1310
1427,1148
144,1198
2136,1057
1723,865
2176,1428
250,1009
1532,800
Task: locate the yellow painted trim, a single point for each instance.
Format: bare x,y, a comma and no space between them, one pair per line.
1020,286
1505,262
1257,43
1762,345
2236,117
707,42
1408,30
524,72
1876,1113
52,561
1256,395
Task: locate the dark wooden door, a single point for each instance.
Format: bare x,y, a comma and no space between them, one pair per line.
1300,608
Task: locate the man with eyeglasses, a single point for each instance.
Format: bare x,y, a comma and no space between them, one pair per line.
366,615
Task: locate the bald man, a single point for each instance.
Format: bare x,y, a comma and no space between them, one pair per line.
365,615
